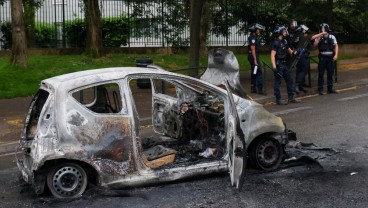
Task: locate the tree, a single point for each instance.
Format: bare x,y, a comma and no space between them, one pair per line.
204,28
30,8
195,28
93,26
19,54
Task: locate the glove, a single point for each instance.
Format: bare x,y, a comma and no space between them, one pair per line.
299,51
276,72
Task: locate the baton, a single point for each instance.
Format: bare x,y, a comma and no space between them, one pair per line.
274,71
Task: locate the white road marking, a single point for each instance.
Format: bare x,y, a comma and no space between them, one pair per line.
353,97
292,110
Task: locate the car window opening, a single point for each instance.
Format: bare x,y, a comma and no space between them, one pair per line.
36,107
187,124
103,98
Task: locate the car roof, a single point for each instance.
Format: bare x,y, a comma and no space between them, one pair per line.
82,78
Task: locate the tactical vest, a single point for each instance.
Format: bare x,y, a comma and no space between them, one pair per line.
257,44
326,44
281,52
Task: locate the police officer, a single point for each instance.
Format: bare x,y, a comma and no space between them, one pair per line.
292,34
328,53
253,58
279,52
292,40
303,43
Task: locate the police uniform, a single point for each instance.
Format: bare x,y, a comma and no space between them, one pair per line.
256,72
281,47
326,47
303,45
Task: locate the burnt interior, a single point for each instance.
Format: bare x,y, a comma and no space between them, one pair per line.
191,125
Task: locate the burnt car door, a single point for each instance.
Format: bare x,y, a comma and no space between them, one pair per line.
164,104
236,144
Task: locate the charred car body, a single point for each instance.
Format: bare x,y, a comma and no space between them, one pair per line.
88,127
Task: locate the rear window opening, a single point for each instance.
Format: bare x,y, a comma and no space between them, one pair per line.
103,98
186,124
34,113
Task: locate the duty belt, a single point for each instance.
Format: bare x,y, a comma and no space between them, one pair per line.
326,53
281,61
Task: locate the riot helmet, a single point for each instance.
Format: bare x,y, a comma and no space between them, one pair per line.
301,27
293,24
255,26
279,29
324,27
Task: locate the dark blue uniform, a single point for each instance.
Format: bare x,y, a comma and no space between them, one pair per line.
326,47
256,78
303,65
281,47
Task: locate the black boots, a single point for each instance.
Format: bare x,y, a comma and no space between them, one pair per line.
331,91
253,89
260,90
299,88
291,99
280,102
296,88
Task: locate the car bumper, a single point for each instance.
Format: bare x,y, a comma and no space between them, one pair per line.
27,174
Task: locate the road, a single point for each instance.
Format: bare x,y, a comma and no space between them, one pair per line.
336,124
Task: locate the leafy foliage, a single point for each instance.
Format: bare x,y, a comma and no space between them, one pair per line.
115,32
6,38
45,35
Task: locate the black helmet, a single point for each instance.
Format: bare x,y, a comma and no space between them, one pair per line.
293,23
301,27
324,27
255,26
278,29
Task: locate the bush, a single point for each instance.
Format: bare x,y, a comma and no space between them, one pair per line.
115,32
75,32
6,38
45,35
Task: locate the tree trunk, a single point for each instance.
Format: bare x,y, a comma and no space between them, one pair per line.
329,11
195,28
29,22
19,55
94,28
205,19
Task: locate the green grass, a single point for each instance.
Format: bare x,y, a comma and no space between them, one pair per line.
18,82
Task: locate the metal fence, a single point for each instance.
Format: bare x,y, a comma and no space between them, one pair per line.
153,24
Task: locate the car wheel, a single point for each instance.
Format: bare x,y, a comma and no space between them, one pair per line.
266,154
68,180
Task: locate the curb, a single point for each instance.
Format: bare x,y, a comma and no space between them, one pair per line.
312,91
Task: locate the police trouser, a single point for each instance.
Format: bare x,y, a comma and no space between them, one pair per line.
325,62
302,69
256,79
282,69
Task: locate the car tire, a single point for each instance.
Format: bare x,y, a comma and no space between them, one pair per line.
67,180
266,154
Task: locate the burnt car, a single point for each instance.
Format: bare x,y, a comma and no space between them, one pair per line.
98,127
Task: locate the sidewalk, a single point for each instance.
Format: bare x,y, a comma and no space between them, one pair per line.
352,72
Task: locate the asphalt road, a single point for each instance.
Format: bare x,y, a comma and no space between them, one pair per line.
334,174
